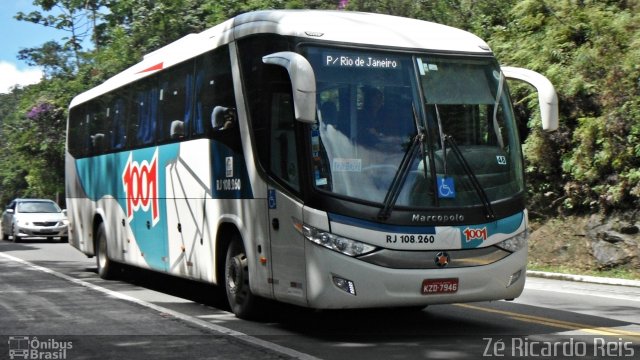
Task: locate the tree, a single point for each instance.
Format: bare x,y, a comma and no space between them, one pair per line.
153,24
78,18
589,50
10,179
52,57
32,163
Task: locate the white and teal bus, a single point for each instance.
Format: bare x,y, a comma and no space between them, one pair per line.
325,159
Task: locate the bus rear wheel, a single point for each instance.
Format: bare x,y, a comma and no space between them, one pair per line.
242,302
106,267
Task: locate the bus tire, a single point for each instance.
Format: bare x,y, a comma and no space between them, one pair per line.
236,280
106,267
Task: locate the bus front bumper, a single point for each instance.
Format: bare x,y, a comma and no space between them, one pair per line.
336,281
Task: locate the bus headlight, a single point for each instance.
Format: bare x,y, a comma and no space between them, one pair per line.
334,242
515,243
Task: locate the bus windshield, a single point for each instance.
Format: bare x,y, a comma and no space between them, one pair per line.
372,108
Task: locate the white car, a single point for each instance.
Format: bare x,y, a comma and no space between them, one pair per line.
34,218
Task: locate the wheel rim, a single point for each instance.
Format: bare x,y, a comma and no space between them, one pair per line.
236,277
102,256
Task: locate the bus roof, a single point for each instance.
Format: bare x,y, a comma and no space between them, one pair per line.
357,28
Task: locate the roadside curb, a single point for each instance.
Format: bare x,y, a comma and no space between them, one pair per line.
583,278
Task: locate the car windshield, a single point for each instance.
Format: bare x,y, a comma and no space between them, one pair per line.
38,207
371,106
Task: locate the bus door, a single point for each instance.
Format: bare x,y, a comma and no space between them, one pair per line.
287,248
287,244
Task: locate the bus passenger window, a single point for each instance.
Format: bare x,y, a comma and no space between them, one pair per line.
96,125
145,106
214,87
78,132
116,116
174,99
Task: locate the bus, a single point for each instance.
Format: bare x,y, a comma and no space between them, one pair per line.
326,159
19,347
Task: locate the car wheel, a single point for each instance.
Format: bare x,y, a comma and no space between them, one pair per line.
16,237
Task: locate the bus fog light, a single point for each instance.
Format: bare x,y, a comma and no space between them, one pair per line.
344,284
514,278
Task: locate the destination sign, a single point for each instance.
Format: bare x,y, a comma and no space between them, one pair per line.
361,61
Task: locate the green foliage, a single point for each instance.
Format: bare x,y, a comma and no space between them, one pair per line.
78,18
149,25
33,160
588,49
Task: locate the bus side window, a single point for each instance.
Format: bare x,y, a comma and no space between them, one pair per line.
97,133
174,102
78,131
116,115
144,113
284,154
214,87
271,109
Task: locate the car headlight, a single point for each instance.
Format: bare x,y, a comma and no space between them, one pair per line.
515,243
331,241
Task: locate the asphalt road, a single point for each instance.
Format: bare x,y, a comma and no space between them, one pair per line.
53,305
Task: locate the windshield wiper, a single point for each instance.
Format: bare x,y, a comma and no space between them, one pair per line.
417,143
474,180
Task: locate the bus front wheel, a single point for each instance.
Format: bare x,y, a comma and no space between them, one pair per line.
242,302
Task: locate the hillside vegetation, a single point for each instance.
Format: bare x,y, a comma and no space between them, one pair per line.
590,50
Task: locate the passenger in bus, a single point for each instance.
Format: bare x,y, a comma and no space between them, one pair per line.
329,113
399,122
222,118
371,119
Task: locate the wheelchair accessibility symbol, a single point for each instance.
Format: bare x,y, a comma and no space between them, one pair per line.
271,197
446,188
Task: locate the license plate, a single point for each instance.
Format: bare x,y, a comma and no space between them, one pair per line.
439,286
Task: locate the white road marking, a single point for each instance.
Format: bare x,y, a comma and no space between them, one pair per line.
581,288
193,320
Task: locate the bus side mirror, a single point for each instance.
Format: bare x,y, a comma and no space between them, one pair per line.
547,96
303,83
